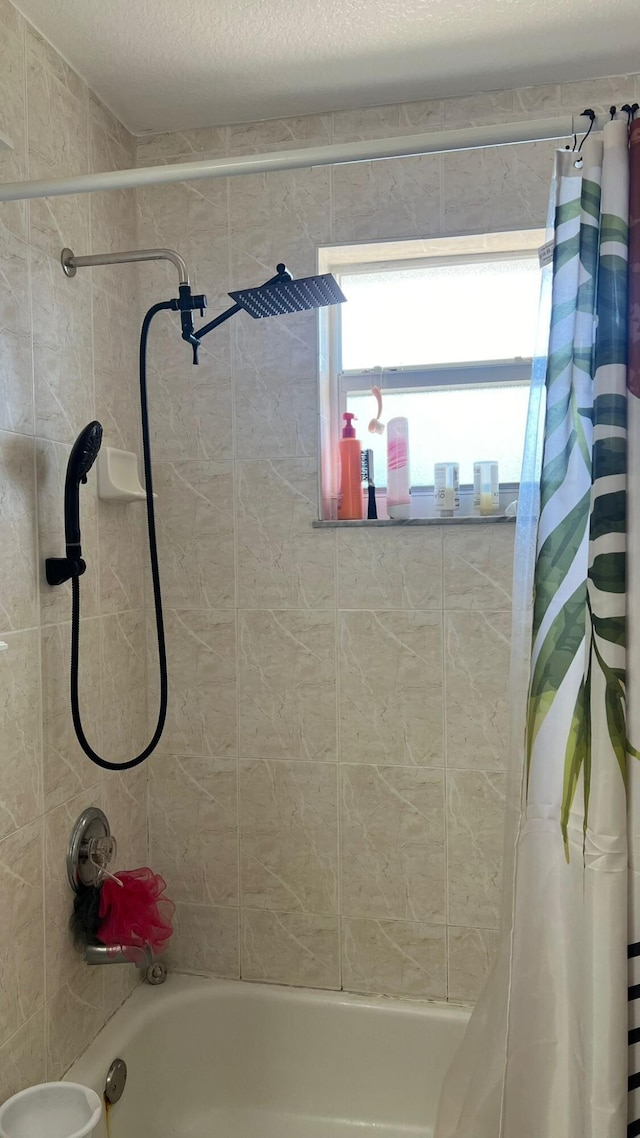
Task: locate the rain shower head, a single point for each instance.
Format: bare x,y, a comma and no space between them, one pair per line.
282,295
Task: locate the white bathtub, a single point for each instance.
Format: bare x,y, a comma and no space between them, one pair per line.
224,1059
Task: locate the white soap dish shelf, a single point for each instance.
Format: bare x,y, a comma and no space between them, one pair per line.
118,478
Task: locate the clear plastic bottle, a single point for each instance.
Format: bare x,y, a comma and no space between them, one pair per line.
350,502
486,488
446,482
398,484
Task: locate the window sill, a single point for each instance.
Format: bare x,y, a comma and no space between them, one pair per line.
494,519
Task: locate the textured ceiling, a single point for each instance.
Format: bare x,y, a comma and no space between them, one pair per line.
173,64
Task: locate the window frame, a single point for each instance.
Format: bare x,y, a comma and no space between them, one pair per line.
336,383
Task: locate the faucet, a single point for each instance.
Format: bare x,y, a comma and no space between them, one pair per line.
155,972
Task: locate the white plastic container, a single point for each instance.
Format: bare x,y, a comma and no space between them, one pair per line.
51,1110
398,484
446,481
486,488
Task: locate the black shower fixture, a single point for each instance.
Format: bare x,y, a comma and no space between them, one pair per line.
278,296
83,455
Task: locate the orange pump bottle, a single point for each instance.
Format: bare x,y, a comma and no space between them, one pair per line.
350,500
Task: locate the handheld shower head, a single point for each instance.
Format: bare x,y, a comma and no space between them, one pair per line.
84,452
83,455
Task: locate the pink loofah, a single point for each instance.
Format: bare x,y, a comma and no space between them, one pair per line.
136,914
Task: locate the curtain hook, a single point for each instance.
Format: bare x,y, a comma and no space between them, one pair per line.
629,110
612,112
591,115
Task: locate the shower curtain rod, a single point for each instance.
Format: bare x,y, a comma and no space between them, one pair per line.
438,142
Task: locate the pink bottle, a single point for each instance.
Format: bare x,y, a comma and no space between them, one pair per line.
398,485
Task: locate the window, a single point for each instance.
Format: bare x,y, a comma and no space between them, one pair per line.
447,329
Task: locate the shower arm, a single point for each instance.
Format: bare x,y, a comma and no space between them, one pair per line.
71,263
185,303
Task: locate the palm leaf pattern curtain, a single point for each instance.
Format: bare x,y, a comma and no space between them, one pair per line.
545,1055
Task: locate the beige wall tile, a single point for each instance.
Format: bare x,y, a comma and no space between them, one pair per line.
62,350
183,144
537,102
282,562
599,94
425,115
125,804
475,822
390,569
478,567
18,603
123,656
205,941
20,732
497,188
22,945
393,857
282,216
472,953
390,687
67,770
13,163
279,134
398,958
286,685
122,535
290,948
191,408
16,374
193,823
478,109
195,533
74,1017
58,113
477,657
289,836
201,648
274,370
396,198
115,348
370,122
22,1061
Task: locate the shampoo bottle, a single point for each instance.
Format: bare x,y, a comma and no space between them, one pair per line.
350,500
398,485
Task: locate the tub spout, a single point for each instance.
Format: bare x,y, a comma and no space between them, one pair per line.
154,971
96,953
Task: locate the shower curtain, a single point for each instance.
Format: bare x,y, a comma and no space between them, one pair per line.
545,1055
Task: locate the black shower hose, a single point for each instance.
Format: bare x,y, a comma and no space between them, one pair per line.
155,575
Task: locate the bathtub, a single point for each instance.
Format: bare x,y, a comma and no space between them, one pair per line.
225,1059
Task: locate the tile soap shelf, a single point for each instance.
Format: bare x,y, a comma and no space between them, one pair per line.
365,523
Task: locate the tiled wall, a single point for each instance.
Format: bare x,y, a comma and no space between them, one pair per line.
327,803
327,807
67,355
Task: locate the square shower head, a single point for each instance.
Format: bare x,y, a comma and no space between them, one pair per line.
285,295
